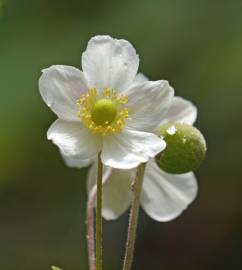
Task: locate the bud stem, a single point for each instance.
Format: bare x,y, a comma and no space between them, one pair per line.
133,218
99,215
90,228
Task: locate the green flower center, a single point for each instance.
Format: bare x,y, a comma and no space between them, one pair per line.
104,112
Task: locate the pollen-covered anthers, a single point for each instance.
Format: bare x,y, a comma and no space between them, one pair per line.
96,108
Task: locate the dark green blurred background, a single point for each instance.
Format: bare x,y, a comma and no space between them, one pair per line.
197,46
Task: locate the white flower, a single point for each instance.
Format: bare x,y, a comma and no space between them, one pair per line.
105,108
164,196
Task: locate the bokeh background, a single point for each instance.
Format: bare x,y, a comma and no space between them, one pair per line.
197,46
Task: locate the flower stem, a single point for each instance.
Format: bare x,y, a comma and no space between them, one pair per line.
90,221
99,215
133,218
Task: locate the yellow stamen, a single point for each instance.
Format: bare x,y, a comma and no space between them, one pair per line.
88,100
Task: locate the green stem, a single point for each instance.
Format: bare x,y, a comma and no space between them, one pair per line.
133,218
99,215
90,228
90,220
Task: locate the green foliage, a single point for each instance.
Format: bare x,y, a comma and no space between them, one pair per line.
1,5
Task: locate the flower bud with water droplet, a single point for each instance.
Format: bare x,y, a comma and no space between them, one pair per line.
185,150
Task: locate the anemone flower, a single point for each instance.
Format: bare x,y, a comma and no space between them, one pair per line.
106,108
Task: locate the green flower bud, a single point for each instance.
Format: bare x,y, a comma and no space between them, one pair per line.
185,150
104,112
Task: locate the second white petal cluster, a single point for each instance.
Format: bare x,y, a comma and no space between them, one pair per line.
164,196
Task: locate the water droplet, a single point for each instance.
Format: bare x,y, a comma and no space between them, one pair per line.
171,130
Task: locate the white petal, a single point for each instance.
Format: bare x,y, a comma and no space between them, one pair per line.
92,175
181,110
109,62
76,163
140,78
116,194
116,190
130,148
164,195
74,140
148,102
60,87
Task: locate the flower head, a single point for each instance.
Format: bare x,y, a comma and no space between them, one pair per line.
106,108
164,195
